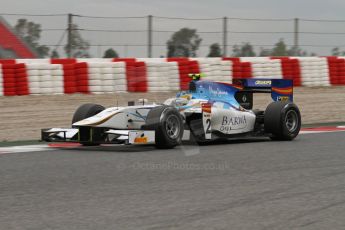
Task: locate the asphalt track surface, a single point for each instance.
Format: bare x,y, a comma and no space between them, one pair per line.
235,185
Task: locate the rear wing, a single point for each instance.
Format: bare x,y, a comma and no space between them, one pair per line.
280,89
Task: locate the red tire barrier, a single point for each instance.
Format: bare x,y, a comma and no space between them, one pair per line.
81,77
21,79
8,79
136,74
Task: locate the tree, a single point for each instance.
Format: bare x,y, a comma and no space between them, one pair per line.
280,49
215,50
110,53
183,43
31,34
295,51
337,52
245,50
54,54
265,52
79,47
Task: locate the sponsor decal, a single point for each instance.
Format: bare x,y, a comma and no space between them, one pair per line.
233,123
262,82
206,107
217,91
283,98
140,140
141,137
284,91
206,119
244,98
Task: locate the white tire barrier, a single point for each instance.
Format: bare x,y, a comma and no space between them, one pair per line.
45,79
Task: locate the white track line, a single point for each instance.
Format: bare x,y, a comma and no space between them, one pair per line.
24,149
310,132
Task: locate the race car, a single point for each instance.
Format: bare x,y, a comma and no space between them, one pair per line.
207,111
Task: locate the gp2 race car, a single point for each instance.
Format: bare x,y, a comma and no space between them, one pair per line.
207,111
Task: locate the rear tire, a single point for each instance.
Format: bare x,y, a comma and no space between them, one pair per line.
168,125
84,111
282,120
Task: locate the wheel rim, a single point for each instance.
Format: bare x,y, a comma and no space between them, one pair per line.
172,126
291,120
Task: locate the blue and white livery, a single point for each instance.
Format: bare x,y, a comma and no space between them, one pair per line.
207,111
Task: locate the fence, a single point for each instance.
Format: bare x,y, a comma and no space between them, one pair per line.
147,36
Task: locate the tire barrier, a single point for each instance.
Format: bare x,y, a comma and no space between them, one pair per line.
314,71
7,80
240,69
215,69
290,69
100,77
44,79
21,79
162,76
1,83
336,70
107,75
266,68
135,74
185,66
69,76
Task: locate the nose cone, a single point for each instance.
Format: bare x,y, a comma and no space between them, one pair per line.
97,119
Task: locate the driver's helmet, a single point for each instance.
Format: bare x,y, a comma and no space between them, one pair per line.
196,76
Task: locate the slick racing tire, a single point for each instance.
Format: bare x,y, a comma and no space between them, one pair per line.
168,125
282,120
84,111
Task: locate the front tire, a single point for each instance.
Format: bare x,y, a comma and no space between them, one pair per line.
282,120
84,111
168,125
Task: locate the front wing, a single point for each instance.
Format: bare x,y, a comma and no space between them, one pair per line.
98,136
